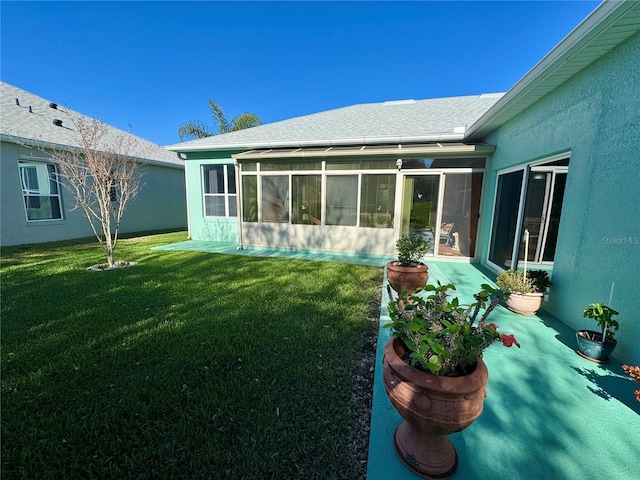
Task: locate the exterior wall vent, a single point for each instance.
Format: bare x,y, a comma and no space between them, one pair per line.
57,122
17,102
53,105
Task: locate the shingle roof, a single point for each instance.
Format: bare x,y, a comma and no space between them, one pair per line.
30,119
433,120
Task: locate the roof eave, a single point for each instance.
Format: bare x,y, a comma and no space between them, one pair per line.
440,137
599,20
47,145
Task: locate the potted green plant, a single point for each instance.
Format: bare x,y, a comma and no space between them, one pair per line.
597,346
523,292
434,374
408,272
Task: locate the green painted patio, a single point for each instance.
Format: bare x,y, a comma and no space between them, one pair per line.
549,414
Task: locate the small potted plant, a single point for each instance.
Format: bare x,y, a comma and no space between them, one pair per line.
597,346
408,273
434,374
523,292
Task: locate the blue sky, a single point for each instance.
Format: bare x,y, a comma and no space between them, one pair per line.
154,65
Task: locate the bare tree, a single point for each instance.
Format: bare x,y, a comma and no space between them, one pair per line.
103,175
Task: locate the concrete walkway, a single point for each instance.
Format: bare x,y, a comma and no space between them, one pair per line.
549,414
230,248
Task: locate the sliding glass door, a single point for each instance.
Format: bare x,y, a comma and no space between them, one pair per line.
505,218
542,208
528,200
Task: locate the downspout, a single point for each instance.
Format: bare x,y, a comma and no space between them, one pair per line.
183,157
236,165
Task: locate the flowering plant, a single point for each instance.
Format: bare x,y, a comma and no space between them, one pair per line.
440,335
634,373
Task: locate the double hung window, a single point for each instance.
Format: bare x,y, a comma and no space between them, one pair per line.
219,187
40,191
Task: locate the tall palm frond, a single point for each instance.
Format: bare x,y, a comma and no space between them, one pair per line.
245,120
219,117
195,129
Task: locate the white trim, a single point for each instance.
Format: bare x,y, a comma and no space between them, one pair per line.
563,60
335,142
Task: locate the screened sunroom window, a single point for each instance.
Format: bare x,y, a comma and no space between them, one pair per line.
249,198
40,191
275,198
219,186
306,193
377,199
342,200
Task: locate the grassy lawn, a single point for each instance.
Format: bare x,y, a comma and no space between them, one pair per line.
187,365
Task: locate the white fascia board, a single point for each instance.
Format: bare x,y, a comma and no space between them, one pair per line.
598,20
442,137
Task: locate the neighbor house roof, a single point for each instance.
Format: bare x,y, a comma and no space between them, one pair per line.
608,26
400,122
28,119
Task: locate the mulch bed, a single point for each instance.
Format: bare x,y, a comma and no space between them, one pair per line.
362,394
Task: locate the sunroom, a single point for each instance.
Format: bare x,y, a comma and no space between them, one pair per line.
361,198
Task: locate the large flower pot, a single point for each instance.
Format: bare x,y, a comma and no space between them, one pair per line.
432,406
407,278
525,303
589,346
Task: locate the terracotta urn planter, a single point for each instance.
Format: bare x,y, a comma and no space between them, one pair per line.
407,278
432,406
525,303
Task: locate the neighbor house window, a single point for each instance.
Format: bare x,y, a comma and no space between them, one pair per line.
40,191
219,186
342,200
377,200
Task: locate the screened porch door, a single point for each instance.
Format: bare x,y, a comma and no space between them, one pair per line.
443,208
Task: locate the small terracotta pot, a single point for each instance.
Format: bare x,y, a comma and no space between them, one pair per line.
407,278
525,303
433,406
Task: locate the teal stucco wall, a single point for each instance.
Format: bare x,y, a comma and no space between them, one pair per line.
218,229
595,116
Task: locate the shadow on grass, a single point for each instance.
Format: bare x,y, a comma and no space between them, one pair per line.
186,365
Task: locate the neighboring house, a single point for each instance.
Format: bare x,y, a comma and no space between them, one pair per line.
557,155
36,209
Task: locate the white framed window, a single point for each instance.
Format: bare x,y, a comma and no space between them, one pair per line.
528,198
40,191
219,191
